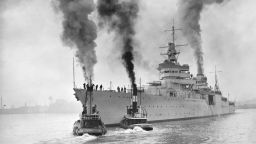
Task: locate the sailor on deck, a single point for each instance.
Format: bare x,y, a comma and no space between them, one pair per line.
84,110
94,109
87,86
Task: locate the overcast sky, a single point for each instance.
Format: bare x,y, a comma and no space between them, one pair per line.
34,64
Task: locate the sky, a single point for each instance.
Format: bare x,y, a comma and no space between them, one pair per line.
35,64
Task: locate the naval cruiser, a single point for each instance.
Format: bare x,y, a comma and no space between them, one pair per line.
176,95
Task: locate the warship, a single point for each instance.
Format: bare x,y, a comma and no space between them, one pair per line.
177,95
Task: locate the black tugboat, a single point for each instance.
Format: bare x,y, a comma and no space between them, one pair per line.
136,116
91,122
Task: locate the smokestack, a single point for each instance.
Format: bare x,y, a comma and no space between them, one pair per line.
134,99
189,16
79,32
120,17
134,88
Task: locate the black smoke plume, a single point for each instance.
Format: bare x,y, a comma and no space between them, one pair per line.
80,32
189,15
120,17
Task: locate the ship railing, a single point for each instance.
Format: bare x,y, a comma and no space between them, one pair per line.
91,117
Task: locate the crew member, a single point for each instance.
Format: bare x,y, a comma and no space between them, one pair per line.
94,109
84,86
84,110
92,87
88,87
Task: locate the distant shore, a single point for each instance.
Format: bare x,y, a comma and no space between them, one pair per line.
59,106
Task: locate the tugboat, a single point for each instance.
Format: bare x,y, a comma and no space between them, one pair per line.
136,116
91,122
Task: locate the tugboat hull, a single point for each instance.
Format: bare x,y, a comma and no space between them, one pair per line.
90,131
91,126
131,123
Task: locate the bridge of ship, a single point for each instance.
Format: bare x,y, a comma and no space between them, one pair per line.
175,73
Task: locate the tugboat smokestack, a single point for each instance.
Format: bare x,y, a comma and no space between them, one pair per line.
134,99
134,87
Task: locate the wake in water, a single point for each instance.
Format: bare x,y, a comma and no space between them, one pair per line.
81,139
134,130
126,131
70,140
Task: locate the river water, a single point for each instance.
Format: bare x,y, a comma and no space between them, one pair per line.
238,128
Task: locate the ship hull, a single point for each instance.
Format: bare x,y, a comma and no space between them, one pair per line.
112,106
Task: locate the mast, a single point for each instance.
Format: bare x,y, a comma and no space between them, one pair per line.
90,94
140,91
216,80
173,32
216,85
74,83
171,51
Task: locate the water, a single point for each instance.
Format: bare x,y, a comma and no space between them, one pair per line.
238,128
